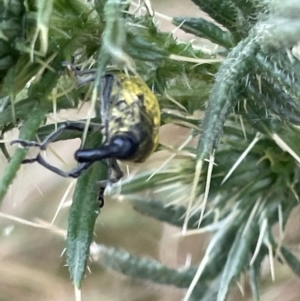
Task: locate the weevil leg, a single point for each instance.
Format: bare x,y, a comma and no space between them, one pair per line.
107,86
71,66
77,72
114,166
74,173
26,143
86,80
101,196
50,138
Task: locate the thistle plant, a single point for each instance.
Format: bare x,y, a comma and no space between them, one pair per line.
242,177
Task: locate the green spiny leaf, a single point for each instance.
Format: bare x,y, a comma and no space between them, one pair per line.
11,29
285,80
221,11
237,259
114,36
273,100
27,132
223,95
173,215
145,268
142,49
292,261
82,216
204,29
247,8
254,281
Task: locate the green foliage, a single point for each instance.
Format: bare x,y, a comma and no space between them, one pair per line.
250,127
205,29
11,30
82,216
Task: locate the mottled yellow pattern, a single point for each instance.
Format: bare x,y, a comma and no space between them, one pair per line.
134,108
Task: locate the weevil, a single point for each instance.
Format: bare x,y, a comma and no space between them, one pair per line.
130,116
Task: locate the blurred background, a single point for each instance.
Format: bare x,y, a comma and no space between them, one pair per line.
32,263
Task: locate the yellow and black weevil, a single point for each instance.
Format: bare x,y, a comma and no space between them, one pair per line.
130,116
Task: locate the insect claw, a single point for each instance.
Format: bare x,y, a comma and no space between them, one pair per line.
31,160
74,175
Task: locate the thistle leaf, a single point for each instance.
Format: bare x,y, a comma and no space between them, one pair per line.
82,217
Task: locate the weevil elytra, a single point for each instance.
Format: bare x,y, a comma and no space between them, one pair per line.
130,122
